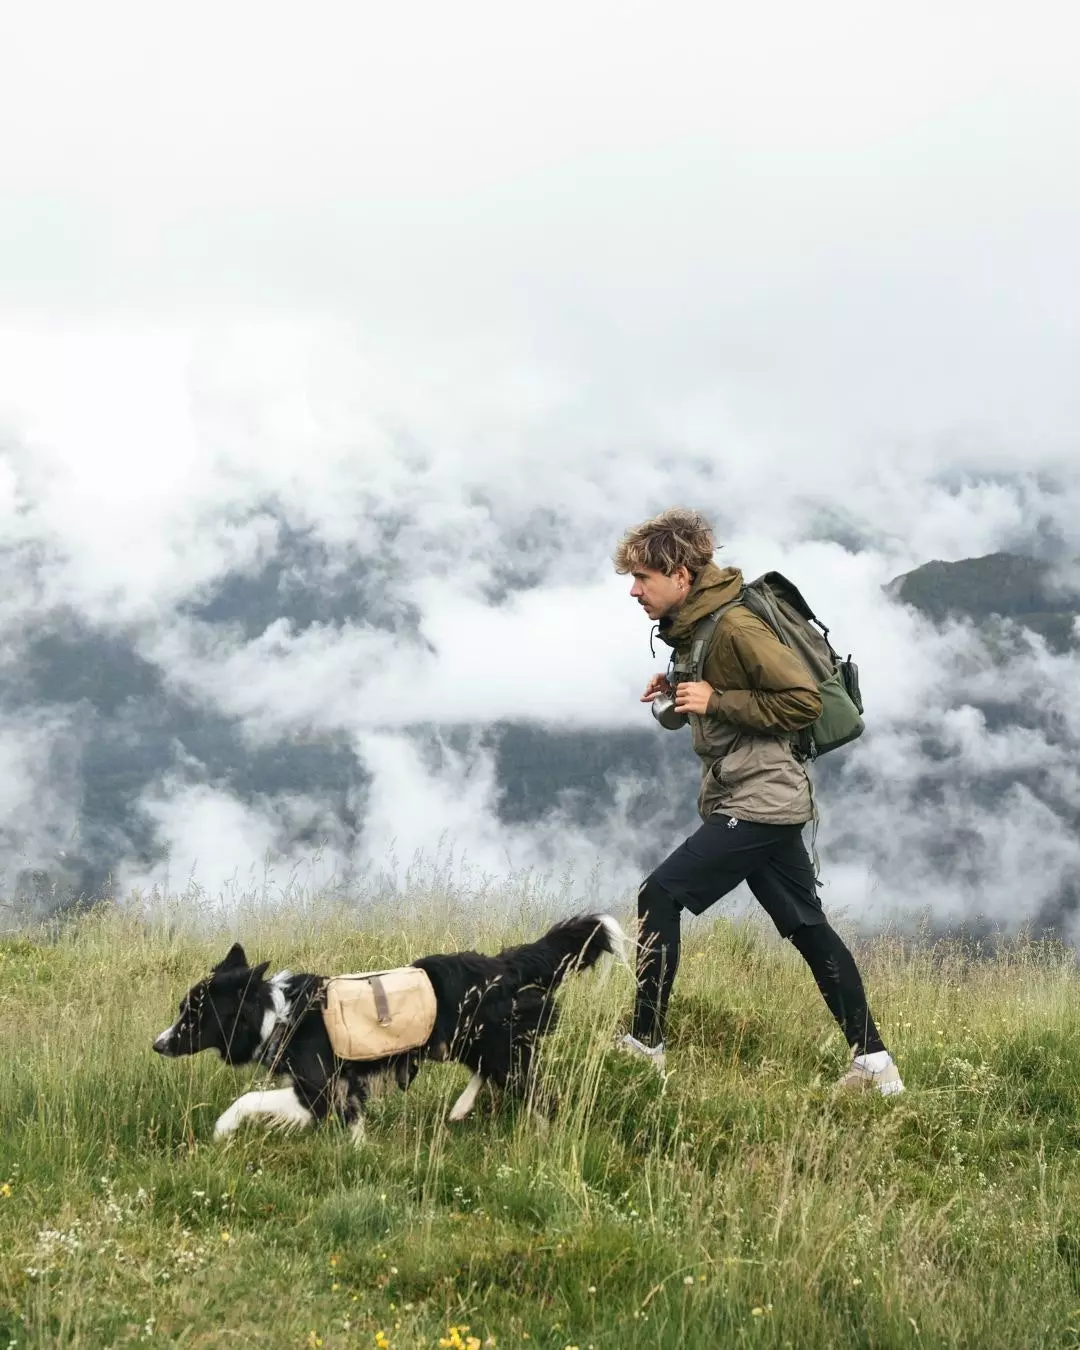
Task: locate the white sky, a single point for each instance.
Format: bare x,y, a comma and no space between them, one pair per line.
466,262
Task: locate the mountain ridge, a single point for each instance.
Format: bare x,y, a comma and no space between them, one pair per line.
130,729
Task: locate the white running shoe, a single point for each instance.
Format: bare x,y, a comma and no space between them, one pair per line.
875,1071
653,1053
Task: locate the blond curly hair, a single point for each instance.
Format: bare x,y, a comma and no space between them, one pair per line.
675,538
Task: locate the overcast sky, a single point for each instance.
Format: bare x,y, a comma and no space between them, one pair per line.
811,267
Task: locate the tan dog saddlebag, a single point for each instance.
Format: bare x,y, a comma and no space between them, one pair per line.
379,1013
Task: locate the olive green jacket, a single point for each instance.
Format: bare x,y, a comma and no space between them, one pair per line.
762,695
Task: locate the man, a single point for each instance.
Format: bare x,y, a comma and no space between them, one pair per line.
755,795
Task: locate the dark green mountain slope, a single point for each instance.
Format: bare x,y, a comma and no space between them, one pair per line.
129,730
997,586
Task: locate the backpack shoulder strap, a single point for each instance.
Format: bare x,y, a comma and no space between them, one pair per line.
703,635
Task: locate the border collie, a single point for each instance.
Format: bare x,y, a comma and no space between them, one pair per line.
490,1010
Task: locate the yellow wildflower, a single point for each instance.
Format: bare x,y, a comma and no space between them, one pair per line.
226,1236
5,1190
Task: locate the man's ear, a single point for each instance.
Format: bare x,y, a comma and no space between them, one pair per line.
235,959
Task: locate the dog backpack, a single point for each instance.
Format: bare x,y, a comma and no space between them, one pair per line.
780,604
379,1013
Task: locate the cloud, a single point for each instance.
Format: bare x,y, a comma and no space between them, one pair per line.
453,313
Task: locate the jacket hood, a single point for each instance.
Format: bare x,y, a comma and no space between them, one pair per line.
713,586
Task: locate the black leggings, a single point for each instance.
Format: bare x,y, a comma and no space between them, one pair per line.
831,964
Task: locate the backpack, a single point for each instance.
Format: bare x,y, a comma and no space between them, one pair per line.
780,604
379,1013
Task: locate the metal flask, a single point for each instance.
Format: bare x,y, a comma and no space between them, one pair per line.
663,709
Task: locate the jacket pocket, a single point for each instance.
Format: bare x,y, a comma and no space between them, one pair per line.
736,766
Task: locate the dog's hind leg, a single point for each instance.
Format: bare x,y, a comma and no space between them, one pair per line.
281,1105
467,1100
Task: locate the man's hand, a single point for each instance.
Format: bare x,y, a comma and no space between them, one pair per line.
692,696
657,685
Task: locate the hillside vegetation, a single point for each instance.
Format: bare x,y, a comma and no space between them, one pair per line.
739,1204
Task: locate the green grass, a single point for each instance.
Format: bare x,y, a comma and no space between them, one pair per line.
740,1204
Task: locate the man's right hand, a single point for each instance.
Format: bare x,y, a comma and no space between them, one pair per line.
656,686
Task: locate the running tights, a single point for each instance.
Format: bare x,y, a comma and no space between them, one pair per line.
831,964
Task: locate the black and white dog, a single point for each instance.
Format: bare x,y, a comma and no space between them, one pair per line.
489,1012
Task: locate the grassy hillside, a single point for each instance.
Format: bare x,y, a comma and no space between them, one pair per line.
742,1204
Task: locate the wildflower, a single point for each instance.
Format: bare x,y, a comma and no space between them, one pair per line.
856,1282
5,1190
333,1260
226,1236
335,1287
381,1341
688,1280
314,1340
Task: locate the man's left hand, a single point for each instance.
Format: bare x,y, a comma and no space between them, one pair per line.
692,696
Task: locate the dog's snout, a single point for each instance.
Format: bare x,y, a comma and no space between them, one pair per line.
163,1044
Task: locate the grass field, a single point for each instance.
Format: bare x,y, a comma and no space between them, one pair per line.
740,1204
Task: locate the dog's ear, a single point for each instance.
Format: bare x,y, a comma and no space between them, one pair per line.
259,971
235,959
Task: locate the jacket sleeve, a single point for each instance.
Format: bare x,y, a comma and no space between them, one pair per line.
779,694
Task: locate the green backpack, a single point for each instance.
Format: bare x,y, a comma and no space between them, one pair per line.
780,604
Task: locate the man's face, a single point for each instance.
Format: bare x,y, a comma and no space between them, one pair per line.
658,594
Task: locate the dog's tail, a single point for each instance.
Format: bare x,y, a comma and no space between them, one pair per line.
573,944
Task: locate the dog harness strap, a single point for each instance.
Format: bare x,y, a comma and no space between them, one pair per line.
382,1007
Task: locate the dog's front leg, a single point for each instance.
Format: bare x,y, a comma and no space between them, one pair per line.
353,1112
281,1104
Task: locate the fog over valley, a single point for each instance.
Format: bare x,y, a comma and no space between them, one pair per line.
322,410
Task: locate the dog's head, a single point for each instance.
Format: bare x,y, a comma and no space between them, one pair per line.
224,1012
